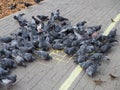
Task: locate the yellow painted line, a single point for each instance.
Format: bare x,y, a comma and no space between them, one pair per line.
112,25
71,78
70,59
68,82
59,57
65,55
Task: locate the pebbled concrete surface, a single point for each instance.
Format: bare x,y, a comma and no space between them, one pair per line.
41,75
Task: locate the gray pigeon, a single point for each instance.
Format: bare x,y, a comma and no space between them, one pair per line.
70,50
57,46
5,39
22,22
86,64
81,58
28,57
112,33
7,81
43,55
8,63
37,1
91,70
81,23
105,48
20,61
98,57
42,17
3,71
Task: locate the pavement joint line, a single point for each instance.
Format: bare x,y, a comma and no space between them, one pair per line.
68,82
44,64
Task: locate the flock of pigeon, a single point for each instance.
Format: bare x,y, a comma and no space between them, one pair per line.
38,36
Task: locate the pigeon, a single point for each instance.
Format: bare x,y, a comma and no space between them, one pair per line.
96,28
91,70
105,48
57,28
40,27
14,44
3,71
81,23
6,46
44,44
37,1
13,6
101,38
90,49
20,61
86,64
56,13
27,47
5,39
28,57
8,63
75,43
81,58
96,42
1,53
42,17
26,4
67,42
79,37
98,56
60,18
6,53
112,41
22,22
57,46
33,41
52,18
112,33
81,50
70,51
24,33
36,20
57,16
43,55
7,81
15,53
91,30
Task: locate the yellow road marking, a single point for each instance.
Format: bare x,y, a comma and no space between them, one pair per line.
111,26
68,82
59,57
69,59
71,78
